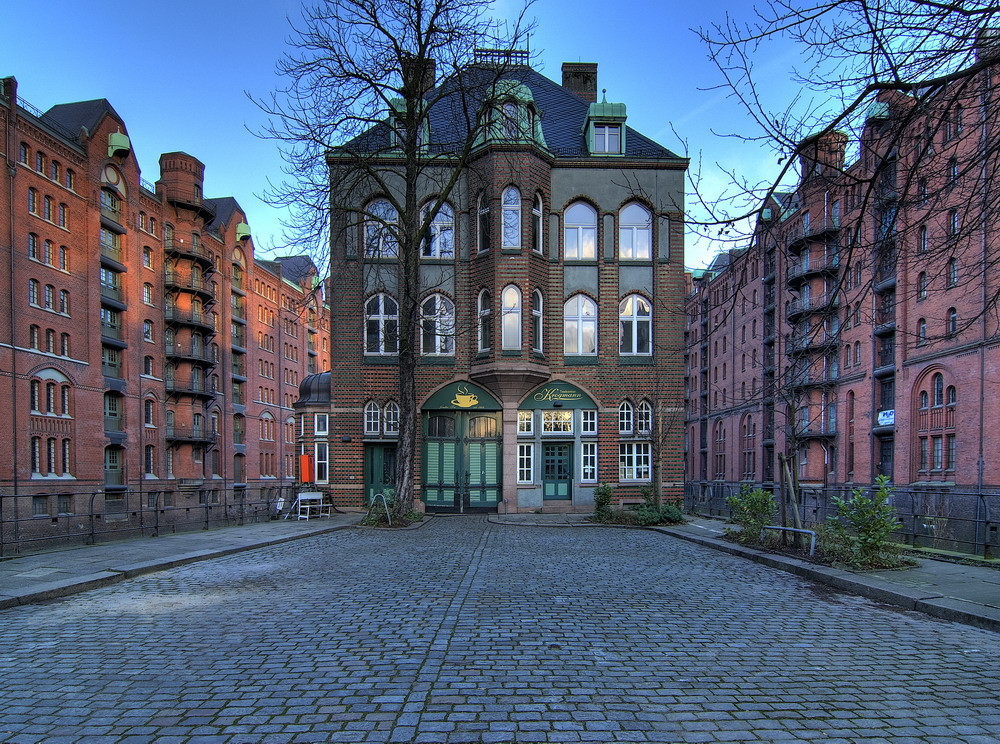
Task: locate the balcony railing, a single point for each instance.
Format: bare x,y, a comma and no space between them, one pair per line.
190,317
113,423
180,385
111,370
203,354
811,304
815,227
824,264
114,477
191,433
195,283
112,331
112,293
115,215
175,245
113,252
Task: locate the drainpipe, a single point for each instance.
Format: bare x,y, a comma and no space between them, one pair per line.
10,91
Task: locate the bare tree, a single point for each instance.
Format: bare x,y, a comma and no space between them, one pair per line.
385,103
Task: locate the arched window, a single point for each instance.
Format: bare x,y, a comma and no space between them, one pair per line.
581,232
580,326
33,292
380,236
952,272
50,297
373,418
626,418
381,325
511,218
921,332
441,243
635,326
937,388
511,323
485,314
644,418
922,286
267,427
953,222
719,450
635,233
922,239
857,352
483,223
536,225
536,321
437,326
149,412
32,201
952,321
147,293
392,417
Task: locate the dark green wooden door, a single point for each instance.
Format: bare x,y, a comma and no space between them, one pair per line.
462,463
557,471
380,469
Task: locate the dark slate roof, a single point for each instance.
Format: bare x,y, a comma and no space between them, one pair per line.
296,268
71,117
561,112
314,390
225,207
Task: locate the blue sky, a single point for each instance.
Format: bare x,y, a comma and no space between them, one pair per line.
177,73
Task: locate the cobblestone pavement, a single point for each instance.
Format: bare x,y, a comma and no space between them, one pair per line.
464,631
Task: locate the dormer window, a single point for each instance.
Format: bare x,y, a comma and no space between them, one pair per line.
605,128
608,138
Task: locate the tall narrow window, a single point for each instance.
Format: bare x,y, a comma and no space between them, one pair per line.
626,418
392,418
581,232
952,272
536,225
536,321
483,223
952,321
580,326
635,326
380,230
381,325
511,329
372,418
485,313
437,326
511,218
441,243
635,233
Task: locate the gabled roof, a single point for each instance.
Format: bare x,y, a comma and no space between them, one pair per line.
296,268
72,117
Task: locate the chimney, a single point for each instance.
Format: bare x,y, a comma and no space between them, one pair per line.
421,70
581,78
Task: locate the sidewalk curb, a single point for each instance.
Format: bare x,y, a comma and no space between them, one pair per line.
115,574
876,589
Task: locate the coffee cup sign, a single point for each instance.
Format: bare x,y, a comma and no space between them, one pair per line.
465,399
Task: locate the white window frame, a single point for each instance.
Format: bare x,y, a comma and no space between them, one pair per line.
603,140
644,418
626,418
537,321
525,463
564,421
525,423
372,418
588,422
321,462
575,312
635,227
484,306
321,424
510,218
443,224
437,328
588,462
579,235
385,318
635,462
391,417
510,325
635,313
380,225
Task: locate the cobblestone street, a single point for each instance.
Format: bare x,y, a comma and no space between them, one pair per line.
464,631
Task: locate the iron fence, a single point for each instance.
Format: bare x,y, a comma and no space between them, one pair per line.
41,521
941,518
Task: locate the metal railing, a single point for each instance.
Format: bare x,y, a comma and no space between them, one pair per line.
43,521
943,518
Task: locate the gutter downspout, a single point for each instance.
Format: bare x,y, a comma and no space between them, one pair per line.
10,91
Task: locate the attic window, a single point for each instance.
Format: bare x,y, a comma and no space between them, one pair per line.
607,138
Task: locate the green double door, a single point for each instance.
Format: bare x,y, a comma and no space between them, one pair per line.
463,469
557,471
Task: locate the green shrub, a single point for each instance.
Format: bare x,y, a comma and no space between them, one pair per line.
602,502
863,524
751,509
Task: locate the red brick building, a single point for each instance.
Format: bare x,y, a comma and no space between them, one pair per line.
147,355
858,333
550,340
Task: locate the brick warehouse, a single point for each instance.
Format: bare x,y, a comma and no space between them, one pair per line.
551,301
152,358
858,333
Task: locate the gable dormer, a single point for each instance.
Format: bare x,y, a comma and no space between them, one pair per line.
605,128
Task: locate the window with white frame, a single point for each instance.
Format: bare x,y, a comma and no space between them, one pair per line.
483,223
321,423
536,225
608,138
437,326
441,242
635,326
634,461
580,326
381,224
321,462
392,417
537,318
373,416
557,422
626,418
511,217
525,423
644,418
635,233
581,232
525,463
381,325
485,312
588,422
588,462
511,324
